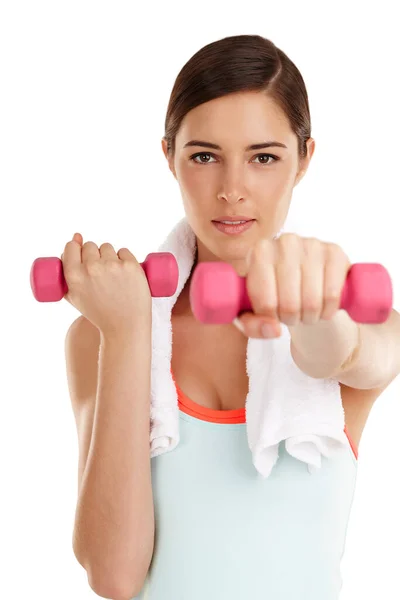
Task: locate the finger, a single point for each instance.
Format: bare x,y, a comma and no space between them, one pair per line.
72,254
250,325
90,252
312,292
337,266
78,238
107,251
288,276
261,281
125,254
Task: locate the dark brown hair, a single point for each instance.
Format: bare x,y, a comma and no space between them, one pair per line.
236,64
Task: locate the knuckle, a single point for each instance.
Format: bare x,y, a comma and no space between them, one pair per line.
312,245
311,306
129,265
334,250
89,243
107,245
112,266
268,309
289,238
262,304
332,296
93,267
290,242
261,250
289,309
73,275
125,251
331,247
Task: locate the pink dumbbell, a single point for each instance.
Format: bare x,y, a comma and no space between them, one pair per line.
218,294
48,282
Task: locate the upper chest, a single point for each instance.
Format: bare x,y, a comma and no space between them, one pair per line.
209,363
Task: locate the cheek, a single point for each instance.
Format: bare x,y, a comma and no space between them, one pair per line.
196,182
274,182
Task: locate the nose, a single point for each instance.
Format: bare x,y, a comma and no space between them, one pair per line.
232,187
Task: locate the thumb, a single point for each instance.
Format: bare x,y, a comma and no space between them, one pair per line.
78,238
250,325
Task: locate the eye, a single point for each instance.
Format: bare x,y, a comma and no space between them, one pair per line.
275,158
202,154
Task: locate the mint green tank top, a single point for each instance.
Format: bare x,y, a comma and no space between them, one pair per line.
222,532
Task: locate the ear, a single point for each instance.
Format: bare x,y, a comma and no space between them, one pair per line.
164,146
305,162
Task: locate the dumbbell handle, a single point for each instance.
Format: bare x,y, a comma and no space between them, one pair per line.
218,294
48,282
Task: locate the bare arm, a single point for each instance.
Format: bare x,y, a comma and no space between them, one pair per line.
82,346
114,522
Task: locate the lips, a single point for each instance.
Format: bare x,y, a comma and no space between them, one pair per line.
238,218
232,228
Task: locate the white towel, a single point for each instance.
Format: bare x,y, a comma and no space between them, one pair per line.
282,403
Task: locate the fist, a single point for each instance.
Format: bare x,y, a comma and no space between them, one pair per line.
292,279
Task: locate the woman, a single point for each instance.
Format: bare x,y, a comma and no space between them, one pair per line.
195,523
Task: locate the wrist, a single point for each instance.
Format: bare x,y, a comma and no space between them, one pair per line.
324,348
126,334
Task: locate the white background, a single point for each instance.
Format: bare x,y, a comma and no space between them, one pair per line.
84,91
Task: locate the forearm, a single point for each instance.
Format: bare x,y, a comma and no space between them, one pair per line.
114,524
358,355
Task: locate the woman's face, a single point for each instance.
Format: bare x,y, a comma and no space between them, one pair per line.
234,180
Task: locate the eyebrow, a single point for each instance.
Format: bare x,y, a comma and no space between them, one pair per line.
252,147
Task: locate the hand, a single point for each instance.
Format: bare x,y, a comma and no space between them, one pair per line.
109,288
293,280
